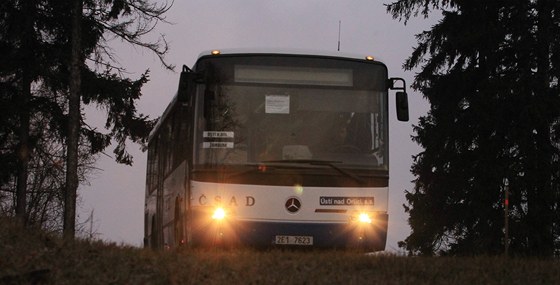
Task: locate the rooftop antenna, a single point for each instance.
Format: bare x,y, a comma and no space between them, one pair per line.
339,35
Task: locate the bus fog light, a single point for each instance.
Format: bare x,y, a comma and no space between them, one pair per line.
219,214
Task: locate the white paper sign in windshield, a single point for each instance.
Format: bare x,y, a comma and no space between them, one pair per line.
277,104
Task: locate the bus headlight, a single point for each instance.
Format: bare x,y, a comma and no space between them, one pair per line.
363,218
219,214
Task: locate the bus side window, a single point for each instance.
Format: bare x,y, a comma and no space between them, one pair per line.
167,149
178,138
152,165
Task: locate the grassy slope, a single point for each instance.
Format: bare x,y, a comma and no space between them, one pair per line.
31,257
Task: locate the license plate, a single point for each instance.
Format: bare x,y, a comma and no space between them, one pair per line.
294,240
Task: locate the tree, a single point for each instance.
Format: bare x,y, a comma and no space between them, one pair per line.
116,17
21,83
490,72
20,39
45,60
74,96
46,180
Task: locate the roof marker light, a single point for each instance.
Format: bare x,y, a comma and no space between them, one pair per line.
369,57
216,52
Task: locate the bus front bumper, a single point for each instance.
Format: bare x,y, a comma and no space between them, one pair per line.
221,231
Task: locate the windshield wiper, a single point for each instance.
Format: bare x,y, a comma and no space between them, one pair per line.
330,163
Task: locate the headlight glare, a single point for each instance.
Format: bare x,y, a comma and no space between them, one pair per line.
364,218
219,214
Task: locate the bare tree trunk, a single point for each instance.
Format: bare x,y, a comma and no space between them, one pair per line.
24,147
69,228
23,154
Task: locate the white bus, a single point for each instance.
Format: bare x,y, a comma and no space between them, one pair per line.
273,149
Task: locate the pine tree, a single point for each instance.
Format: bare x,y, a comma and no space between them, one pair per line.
490,72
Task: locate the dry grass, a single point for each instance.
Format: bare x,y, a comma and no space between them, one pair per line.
32,257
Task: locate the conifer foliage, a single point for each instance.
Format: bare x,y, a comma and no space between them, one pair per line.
35,52
489,70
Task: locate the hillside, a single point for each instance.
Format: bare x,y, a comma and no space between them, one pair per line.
32,257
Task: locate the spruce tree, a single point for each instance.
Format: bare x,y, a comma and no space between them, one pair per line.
39,61
489,70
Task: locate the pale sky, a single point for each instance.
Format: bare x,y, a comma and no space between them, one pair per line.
116,193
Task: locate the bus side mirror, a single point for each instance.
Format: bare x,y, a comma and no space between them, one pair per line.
402,106
402,98
187,83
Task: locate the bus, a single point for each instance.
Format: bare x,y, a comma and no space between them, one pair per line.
273,149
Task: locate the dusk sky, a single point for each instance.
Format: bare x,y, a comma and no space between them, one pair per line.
116,193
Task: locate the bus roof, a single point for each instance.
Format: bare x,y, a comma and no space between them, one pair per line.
269,51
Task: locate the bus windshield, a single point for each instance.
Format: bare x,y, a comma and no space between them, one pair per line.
291,109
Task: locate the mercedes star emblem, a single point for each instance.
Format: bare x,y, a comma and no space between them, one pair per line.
293,205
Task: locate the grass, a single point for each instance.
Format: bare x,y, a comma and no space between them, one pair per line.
32,257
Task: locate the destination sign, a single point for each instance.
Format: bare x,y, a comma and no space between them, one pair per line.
345,201
215,134
217,145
